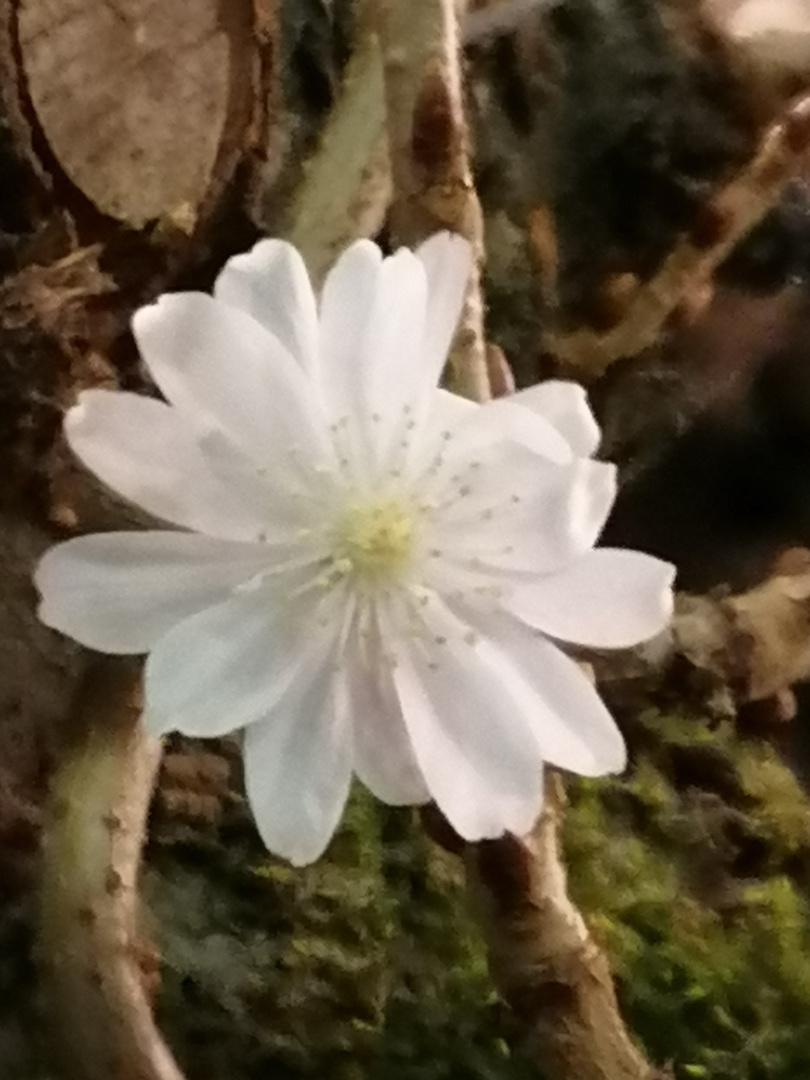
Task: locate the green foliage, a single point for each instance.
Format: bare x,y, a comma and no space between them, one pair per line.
366,964
692,871
699,891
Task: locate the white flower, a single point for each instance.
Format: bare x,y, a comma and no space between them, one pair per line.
368,565
775,33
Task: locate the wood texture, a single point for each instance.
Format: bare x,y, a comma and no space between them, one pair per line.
137,99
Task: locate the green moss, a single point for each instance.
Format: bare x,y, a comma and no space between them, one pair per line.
366,964
692,870
700,899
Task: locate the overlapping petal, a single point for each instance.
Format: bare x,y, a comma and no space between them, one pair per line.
383,756
447,259
214,361
229,665
271,283
607,599
565,406
151,455
121,592
573,727
517,512
472,733
505,420
298,765
347,300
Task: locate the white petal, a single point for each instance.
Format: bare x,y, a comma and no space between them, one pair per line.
565,406
383,756
228,666
271,283
447,259
422,438
471,733
121,592
607,599
777,32
383,364
218,363
147,452
571,724
393,363
503,420
298,766
347,299
519,513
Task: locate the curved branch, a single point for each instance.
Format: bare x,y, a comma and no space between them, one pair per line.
429,146
733,212
93,840
346,189
542,955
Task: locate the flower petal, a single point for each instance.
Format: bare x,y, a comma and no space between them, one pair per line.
565,406
271,283
572,726
372,387
519,513
384,364
471,731
226,667
393,364
298,766
608,599
447,259
148,452
121,592
383,756
347,299
215,362
503,421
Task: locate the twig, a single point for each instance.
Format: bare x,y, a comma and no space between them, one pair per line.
491,17
102,1017
429,147
545,961
731,214
346,190
751,647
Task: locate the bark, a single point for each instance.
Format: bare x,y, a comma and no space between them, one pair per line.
429,146
544,959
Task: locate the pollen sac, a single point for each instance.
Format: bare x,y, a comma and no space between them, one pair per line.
375,541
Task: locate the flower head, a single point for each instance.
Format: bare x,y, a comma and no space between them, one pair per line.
775,34
366,572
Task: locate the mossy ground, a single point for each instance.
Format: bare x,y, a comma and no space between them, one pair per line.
693,871
699,892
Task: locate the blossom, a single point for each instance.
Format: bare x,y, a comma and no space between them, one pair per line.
774,33
366,573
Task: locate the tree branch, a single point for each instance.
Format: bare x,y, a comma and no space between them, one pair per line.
544,960
733,212
93,840
429,147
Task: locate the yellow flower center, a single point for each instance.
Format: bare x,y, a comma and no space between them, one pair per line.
374,540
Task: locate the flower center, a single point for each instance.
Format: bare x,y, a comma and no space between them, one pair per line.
374,540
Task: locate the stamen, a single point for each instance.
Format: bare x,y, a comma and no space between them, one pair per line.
374,541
